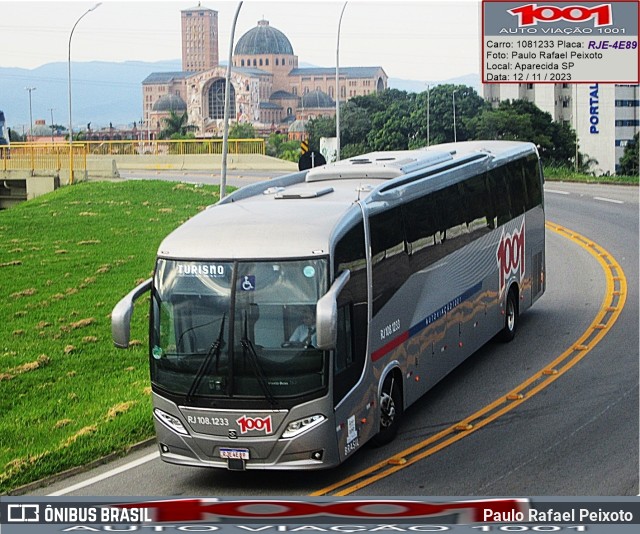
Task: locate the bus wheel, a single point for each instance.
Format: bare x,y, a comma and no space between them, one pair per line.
390,411
510,317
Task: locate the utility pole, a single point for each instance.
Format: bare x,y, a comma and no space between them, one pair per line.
455,133
338,85
30,89
51,110
227,105
69,91
428,117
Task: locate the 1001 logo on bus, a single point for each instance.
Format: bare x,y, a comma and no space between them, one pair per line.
531,14
510,256
261,424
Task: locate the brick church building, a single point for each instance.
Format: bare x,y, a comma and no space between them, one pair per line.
268,89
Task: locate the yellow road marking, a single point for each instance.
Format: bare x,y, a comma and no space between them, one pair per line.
612,305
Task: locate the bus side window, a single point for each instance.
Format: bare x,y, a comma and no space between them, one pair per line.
516,186
500,195
352,312
421,228
533,182
389,260
479,208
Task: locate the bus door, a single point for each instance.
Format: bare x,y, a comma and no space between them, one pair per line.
352,397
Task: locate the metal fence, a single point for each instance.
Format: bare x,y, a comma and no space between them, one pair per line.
55,156
179,147
42,157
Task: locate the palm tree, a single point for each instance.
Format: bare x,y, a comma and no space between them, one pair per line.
174,124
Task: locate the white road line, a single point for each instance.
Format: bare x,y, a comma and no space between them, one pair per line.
108,474
557,192
608,200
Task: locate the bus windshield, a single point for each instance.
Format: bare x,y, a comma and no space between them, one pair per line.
237,329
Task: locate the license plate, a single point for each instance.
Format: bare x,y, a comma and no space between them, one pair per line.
234,454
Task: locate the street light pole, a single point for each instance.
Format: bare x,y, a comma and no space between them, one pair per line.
428,117
30,113
51,110
227,105
338,85
69,71
455,134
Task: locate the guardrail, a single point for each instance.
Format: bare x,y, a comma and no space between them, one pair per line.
55,156
178,147
52,157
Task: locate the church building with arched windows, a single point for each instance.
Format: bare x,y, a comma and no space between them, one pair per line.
268,89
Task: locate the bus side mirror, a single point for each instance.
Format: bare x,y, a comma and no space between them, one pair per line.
327,313
121,315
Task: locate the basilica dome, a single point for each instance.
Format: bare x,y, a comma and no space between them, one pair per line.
170,102
263,39
317,100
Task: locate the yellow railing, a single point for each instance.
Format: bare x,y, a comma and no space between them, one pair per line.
179,147
42,157
55,156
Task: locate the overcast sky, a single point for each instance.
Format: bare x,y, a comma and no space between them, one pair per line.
418,40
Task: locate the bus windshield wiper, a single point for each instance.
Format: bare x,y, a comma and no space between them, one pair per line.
258,371
213,352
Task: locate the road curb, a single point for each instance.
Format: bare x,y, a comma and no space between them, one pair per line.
22,490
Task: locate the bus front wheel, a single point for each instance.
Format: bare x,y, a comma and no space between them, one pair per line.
390,410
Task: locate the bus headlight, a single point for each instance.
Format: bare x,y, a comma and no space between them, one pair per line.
172,422
295,428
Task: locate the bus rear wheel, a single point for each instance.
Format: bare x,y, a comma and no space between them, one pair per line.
510,317
390,411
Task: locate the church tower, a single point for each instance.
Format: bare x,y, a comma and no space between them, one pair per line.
199,39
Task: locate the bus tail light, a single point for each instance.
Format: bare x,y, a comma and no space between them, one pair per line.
172,422
299,426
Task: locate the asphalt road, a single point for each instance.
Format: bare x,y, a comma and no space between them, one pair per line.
576,436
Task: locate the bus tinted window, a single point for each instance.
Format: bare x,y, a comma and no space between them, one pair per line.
498,186
533,181
350,253
389,259
421,228
479,205
515,180
352,312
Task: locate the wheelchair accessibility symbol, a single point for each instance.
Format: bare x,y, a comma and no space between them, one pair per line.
248,283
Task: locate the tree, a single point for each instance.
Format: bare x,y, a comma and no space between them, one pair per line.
355,123
175,126
278,146
242,130
58,129
15,137
520,120
439,101
391,126
320,127
629,159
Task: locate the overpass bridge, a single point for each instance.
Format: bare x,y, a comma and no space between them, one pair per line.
28,170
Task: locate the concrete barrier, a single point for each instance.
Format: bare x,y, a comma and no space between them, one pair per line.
208,162
18,186
102,167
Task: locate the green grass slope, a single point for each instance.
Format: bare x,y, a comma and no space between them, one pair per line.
67,396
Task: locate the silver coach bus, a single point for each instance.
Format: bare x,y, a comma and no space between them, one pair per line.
298,318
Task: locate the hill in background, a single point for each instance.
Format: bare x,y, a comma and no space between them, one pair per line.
106,92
